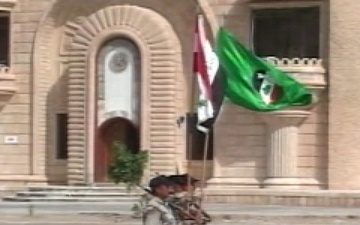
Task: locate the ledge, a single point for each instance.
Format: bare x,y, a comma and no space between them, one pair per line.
7,85
7,5
310,72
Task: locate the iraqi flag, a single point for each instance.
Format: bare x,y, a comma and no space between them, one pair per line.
206,65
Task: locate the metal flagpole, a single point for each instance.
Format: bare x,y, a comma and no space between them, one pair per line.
204,168
206,145
192,110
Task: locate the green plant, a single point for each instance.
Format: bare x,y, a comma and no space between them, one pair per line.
127,167
138,208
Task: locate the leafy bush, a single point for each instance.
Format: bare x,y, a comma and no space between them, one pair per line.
138,208
126,166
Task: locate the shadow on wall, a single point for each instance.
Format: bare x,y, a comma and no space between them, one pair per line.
240,143
56,130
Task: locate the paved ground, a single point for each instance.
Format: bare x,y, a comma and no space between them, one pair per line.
115,213
115,220
124,209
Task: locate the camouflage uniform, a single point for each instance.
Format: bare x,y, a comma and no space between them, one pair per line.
157,212
181,203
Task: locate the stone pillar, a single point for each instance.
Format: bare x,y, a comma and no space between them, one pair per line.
282,129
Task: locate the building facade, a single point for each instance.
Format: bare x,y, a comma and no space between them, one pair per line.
77,75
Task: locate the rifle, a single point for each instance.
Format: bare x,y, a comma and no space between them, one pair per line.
205,216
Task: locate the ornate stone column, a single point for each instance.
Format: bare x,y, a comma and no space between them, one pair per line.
282,148
283,127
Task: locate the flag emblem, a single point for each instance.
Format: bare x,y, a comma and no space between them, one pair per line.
269,91
254,84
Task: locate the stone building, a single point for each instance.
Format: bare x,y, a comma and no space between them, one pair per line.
76,75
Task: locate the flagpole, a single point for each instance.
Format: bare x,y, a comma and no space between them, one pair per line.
192,110
206,144
204,168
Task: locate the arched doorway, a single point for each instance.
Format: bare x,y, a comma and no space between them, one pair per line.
111,131
118,98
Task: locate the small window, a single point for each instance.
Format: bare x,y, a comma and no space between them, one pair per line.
4,38
62,136
287,33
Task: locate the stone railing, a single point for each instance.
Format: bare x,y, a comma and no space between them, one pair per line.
310,72
7,85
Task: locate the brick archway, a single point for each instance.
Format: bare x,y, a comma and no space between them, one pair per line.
79,38
159,49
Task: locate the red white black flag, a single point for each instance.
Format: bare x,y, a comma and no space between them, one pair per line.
206,65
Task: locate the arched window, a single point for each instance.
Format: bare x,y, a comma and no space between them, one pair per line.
119,81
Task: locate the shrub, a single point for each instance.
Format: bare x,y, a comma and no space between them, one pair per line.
127,167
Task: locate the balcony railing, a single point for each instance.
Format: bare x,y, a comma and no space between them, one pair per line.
310,72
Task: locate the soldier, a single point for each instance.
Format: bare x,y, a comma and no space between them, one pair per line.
189,187
157,212
185,212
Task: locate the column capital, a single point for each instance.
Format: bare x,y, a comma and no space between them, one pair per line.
285,117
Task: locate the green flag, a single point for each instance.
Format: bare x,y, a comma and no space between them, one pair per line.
253,83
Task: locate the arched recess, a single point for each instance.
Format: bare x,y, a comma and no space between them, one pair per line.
83,36
116,129
160,52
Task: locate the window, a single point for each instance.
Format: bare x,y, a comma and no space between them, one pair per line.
287,33
4,38
62,136
196,141
119,68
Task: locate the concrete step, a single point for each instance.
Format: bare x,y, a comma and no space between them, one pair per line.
82,189
76,194
69,199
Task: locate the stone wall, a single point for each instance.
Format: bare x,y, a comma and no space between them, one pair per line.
240,146
15,118
313,144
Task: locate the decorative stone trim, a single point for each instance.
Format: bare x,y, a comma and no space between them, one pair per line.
310,72
92,33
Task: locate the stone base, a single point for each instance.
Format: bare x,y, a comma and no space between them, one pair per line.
293,184
23,180
325,198
232,183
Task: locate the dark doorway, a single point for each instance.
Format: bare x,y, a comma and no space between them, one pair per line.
114,130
